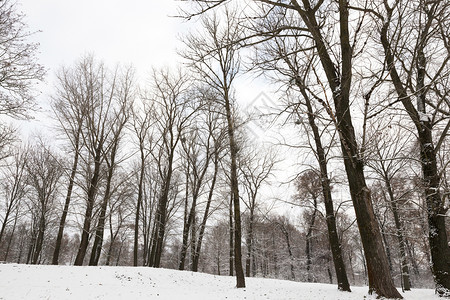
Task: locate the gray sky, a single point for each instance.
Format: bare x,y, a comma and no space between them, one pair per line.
137,32
133,31
143,33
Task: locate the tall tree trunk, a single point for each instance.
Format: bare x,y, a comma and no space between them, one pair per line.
161,218
249,241
388,248
152,250
240,279
400,238
138,210
333,238
308,249
32,243
62,222
205,214
436,212
98,240
187,225
437,233
39,241
289,248
99,232
380,280
147,234
89,208
231,237
193,237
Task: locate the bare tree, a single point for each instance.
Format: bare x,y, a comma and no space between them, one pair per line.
43,175
69,108
14,187
19,70
387,159
336,54
142,130
217,132
172,113
201,149
256,167
308,194
297,71
415,40
119,218
105,101
213,56
121,113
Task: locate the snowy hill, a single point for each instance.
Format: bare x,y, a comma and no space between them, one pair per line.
68,282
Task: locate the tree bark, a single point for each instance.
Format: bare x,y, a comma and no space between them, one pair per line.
436,212
308,248
240,279
249,241
231,237
62,222
289,248
89,208
138,207
333,239
380,280
400,238
205,214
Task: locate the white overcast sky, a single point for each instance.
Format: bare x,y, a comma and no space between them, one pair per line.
144,33
140,32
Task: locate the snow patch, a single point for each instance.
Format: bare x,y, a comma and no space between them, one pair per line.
69,282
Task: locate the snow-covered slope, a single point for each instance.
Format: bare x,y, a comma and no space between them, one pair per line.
68,282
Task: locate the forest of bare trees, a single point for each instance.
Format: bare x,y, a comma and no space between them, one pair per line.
167,173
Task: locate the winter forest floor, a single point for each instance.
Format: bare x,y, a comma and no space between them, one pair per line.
68,282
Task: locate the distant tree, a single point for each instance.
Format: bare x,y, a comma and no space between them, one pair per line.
308,194
286,228
256,167
44,173
386,157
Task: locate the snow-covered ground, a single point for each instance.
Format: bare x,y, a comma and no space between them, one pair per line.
68,282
